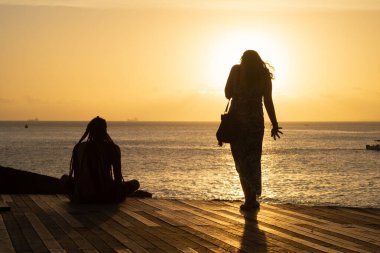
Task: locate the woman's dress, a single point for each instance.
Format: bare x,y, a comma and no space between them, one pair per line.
247,149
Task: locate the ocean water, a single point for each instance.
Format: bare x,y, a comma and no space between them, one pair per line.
313,163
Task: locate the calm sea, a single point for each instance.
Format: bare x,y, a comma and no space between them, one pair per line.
314,163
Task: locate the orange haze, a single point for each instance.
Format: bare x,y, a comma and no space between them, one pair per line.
170,62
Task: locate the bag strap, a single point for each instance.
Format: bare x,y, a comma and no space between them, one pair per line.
228,106
235,85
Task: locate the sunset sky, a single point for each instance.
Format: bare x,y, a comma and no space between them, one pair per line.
161,60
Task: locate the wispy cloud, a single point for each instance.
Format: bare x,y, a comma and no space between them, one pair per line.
207,4
33,100
5,101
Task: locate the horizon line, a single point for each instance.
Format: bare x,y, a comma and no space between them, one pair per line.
197,121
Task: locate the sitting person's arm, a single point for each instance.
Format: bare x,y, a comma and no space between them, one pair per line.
116,164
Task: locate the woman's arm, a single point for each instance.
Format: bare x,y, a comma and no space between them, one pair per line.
268,102
116,164
228,90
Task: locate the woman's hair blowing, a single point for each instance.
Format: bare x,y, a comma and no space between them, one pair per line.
255,65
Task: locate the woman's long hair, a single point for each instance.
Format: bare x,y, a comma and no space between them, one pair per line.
254,70
96,132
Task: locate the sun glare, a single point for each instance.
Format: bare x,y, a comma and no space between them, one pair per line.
228,48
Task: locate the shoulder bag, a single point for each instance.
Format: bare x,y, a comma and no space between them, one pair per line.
228,130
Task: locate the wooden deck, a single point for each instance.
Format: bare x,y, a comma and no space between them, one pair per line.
49,223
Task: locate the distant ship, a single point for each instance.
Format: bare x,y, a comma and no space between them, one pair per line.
35,119
31,120
373,147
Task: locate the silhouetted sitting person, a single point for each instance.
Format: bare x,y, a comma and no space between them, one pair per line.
96,168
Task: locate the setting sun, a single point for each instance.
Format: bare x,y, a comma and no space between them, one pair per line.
228,47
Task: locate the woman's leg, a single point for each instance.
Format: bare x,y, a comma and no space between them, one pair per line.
247,157
249,196
131,186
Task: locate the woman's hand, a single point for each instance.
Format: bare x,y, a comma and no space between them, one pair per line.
275,132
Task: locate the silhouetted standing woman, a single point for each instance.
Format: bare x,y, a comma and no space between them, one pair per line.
247,84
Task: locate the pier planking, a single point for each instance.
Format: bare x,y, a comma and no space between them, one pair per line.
50,223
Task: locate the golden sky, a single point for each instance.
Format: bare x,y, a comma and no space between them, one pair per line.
161,60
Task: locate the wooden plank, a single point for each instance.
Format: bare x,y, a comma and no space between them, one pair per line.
121,222
5,240
346,228
14,228
103,239
190,222
171,220
187,238
272,241
346,215
51,244
163,204
133,204
285,234
140,218
337,228
123,251
99,239
362,225
117,218
284,225
340,217
194,211
366,217
311,232
295,228
166,233
375,211
189,218
46,217
312,235
259,227
141,232
349,230
189,250
183,214
17,199
117,234
57,206
220,245
6,198
69,230
209,230
33,241
275,240
362,244
62,197
174,239
3,205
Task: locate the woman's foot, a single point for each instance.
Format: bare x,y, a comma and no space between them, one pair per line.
251,205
